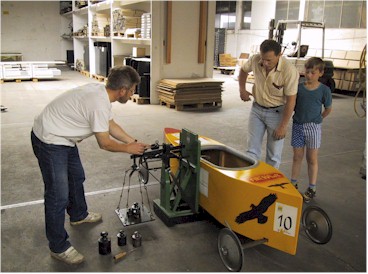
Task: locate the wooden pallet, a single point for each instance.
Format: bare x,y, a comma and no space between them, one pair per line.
140,100
17,80
189,98
85,73
98,77
192,106
226,70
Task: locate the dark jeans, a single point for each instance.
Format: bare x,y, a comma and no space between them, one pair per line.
63,177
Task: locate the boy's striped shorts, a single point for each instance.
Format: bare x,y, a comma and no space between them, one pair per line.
307,134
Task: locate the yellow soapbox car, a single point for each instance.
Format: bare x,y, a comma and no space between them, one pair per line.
249,197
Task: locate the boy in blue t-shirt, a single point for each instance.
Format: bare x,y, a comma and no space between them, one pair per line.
307,121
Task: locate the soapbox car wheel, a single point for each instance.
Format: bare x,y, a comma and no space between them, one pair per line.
317,225
230,250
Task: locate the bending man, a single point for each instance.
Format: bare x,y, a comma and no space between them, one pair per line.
68,119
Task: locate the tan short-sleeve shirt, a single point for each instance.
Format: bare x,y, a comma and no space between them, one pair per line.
271,90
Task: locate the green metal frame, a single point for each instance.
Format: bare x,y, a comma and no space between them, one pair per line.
179,193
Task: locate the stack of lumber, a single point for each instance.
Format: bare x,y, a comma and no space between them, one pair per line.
190,94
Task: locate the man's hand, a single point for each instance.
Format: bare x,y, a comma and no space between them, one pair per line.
146,146
279,133
245,95
136,148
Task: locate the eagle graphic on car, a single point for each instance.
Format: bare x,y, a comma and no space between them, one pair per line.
257,211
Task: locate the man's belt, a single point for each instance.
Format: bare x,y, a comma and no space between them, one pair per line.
266,107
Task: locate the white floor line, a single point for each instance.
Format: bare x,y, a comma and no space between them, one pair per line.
86,194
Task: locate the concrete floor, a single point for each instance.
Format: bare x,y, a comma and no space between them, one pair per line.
185,247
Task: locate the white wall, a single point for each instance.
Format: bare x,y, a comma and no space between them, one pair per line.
185,37
184,48
262,12
32,28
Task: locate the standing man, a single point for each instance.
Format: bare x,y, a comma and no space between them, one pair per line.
274,92
68,119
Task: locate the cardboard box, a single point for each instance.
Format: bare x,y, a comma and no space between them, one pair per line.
338,83
244,55
352,75
338,74
226,60
119,60
243,58
349,85
138,52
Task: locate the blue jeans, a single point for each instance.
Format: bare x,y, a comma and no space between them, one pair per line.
63,177
260,121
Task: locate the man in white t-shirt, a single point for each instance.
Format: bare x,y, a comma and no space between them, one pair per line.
68,119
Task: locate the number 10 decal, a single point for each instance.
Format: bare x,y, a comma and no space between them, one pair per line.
285,219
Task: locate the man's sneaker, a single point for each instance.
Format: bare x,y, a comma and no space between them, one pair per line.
70,256
309,195
92,217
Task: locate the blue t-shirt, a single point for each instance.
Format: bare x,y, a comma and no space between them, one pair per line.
308,107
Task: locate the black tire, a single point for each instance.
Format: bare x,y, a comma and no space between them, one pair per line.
330,82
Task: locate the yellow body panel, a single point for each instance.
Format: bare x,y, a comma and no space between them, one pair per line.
257,202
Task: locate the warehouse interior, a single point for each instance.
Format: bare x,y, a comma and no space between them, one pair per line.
189,246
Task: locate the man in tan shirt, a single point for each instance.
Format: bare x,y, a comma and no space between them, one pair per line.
274,92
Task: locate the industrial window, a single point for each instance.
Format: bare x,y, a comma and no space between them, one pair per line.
352,14
337,14
363,22
287,10
247,14
314,10
225,14
333,14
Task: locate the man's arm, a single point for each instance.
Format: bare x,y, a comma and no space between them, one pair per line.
106,143
280,131
244,94
129,145
118,133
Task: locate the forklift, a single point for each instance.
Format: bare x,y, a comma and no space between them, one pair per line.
300,51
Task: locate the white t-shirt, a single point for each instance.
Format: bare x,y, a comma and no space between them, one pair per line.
74,116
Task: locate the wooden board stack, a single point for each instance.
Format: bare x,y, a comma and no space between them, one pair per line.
190,94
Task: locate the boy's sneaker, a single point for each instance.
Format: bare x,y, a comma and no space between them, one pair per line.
92,217
69,256
294,183
309,195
